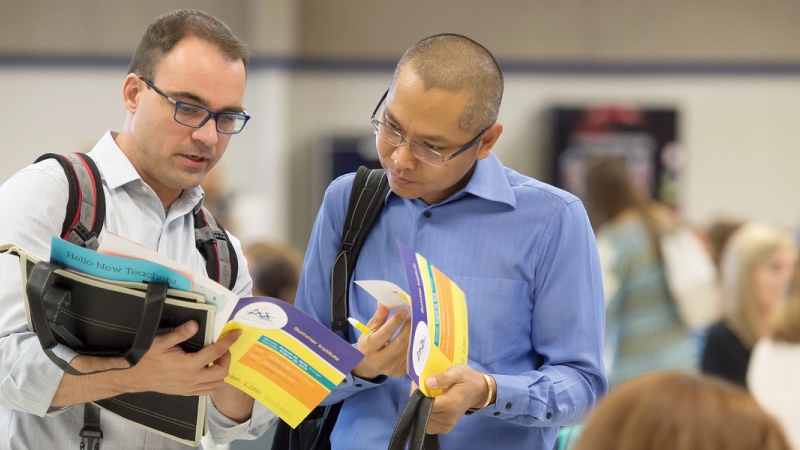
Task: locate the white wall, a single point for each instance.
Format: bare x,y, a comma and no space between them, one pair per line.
66,110
740,132
56,111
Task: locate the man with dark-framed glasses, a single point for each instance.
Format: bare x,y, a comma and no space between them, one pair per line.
522,251
183,95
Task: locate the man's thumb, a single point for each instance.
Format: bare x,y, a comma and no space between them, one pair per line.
183,332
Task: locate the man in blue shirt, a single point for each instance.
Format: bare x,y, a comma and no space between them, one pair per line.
522,251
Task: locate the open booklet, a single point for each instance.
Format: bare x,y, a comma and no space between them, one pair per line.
284,359
439,333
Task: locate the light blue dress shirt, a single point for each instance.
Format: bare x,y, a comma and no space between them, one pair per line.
33,203
525,255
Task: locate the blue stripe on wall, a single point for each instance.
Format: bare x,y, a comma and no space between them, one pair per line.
575,68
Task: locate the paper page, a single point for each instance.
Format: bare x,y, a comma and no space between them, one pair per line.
214,293
388,294
285,359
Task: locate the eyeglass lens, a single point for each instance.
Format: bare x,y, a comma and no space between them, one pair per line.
392,137
195,116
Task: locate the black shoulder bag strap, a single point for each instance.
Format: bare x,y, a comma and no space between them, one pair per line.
366,200
411,426
370,187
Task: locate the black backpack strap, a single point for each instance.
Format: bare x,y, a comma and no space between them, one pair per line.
370,187
214,244
366,200
86,209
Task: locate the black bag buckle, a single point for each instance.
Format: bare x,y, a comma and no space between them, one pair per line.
90,438
84,233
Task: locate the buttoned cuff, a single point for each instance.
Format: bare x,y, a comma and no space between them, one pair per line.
513,396
352,385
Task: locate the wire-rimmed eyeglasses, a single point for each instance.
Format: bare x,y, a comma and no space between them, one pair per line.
420,151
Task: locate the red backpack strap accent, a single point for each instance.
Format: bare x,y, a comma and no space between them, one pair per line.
86,209
215,245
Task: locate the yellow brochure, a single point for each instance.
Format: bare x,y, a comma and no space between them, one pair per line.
285,359
439,333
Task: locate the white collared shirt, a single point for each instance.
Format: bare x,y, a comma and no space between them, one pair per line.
33,204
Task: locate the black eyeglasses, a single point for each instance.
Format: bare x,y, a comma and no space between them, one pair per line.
420,151
194,116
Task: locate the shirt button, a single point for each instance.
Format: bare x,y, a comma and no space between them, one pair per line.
509,405
549,415
427,214
497,414
144,188
358,384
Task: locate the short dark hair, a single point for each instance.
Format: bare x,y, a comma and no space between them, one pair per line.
170,28
456,63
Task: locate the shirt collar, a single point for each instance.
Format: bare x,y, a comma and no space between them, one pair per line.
489,181
116,169
114,166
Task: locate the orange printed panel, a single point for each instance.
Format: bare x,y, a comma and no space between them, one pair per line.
275,367
446,328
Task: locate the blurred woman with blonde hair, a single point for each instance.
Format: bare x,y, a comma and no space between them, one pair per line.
774,366
757,265
680,411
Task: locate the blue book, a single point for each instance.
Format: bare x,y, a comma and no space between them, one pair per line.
114,268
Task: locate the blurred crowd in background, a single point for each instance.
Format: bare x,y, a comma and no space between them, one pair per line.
695,316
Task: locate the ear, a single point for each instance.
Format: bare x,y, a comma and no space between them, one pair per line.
489,138
131,89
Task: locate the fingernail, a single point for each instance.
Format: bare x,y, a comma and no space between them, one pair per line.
191,326
404,314
235,333
431,383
